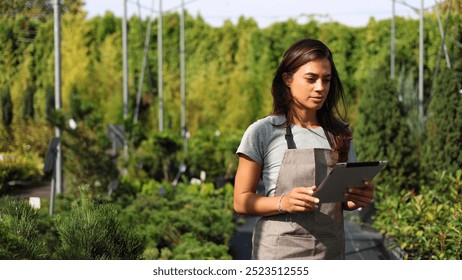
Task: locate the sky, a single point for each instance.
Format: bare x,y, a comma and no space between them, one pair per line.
353,13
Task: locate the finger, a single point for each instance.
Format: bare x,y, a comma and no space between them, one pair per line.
305,201
360,195
305,190
360,191
298,205
305,195
368,185
360,200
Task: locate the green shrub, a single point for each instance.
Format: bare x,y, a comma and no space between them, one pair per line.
20,237
190,248
382,133
427,225
19,167
91,232
165,214
444,125
213,152
155,157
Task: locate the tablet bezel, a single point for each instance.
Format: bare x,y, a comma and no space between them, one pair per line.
346,175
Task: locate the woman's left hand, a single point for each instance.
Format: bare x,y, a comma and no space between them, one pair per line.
360,197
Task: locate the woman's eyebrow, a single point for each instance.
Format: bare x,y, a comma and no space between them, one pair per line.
315,74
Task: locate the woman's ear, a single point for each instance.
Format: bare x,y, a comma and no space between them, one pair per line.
287,79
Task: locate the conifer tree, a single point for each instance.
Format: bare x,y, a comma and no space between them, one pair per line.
76,48
20,236
444,125
7,107
242,89
95,232
28,109
49,102
382,134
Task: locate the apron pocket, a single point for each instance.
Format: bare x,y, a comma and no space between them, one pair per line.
295,247
330,248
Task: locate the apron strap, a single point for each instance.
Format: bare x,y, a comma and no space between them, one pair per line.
290,138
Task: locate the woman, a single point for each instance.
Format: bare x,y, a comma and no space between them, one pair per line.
292,150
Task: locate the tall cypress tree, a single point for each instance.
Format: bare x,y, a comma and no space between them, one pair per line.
382,134
49,101
7,107
28,109
444,126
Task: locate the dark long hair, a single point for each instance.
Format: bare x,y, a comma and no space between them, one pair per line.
330,116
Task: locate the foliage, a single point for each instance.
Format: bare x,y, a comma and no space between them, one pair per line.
408,96
425,224
190,248
170,216
94,232
85,147
155,157
7,108
28,109
444,126
39,9
20,237
213,152
17,167
382,134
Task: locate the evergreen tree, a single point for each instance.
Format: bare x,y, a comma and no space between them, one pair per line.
28,109
85,159
242,91
39,9
108,75
7,107
76,50
50,101
408,96
8,59
382,134
444,125
95,232
20,237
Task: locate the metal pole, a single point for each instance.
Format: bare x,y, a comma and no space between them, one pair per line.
443,37
52,192
392,55
421,58
58,181
183,80
159,65
143,67
125,73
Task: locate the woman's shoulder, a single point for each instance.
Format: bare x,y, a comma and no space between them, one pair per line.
271,120
267,123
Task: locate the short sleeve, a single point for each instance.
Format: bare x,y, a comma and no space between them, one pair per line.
252,143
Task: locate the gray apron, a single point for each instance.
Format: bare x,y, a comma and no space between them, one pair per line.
317,234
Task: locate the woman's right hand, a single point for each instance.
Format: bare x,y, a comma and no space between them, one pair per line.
300,199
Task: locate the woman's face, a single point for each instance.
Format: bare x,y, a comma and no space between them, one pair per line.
310,84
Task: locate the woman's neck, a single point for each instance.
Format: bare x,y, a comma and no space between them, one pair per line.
306,119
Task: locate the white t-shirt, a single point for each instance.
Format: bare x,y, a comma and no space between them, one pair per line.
265,143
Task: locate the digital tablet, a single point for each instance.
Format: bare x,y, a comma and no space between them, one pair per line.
344,176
